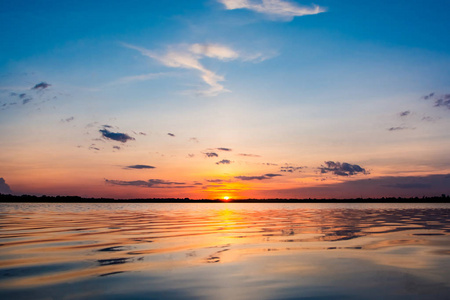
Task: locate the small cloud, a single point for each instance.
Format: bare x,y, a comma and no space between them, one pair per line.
190,155
405,113
41,86
26,100
211,154
67,120
439,101
224,149
344,169
397,128
290,169
4,188
116,147
224,162
171,134
194,140
215,180
443,101
249,155
116,136
428,119
279,8
142,133
270,164
139,167
262,177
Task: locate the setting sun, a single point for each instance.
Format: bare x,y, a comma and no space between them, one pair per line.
226,198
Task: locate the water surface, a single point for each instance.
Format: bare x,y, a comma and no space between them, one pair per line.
224,251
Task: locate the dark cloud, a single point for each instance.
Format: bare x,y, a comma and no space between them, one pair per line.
151,183
439,101
107,126
290,169
272,175
262,177
116,136
116,147
249,155
139,167
41,86
198,183
344,169
386,186
211,154
405,113
171,134
270,164
224,149
4,188
224,162
443,101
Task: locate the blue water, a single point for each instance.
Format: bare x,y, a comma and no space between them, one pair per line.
225,251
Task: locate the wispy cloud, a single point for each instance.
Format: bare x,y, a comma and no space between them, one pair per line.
189,56
171,134
138,78
249,155
290,169
262,177
224,149
397,128
139,167
341,169
282,9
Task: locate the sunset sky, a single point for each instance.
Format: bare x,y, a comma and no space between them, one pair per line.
216,98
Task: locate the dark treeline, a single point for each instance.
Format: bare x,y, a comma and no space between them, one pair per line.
76,199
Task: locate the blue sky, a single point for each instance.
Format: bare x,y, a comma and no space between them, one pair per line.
295,83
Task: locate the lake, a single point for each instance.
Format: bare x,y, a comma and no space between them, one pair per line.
224,251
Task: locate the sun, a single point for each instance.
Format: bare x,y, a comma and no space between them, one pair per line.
226,198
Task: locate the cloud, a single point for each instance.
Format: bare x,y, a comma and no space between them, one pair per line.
397,128
443,101
279,8
224,162
386,186
151,183
139,167
439,101
270,164
262,177
189,56
194,140
290,169
249,155
344,169
116,147
70,119
405,113
138,78
215,180
116,136
211,154
171,134
4,188
41,86
224,149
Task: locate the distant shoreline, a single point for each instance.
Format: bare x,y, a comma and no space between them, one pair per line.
76,199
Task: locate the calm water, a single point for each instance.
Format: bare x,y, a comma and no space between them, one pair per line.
224,251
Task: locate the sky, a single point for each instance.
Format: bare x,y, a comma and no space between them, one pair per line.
209,99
